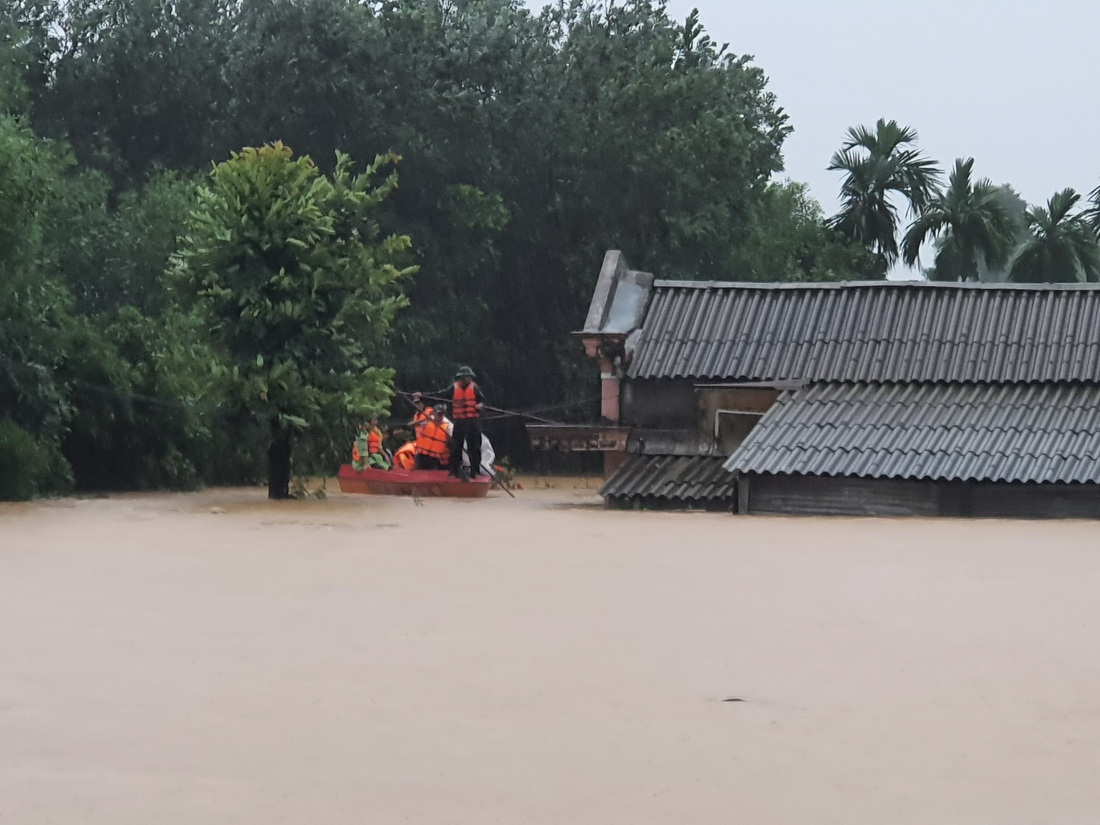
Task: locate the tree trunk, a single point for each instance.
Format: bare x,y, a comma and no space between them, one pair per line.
278,463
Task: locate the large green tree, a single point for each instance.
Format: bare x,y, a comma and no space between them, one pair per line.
300,286
879,165
1062,247
970,224
639,133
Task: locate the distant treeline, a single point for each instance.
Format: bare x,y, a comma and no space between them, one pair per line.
529,144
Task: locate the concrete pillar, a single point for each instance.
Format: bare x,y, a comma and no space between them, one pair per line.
610,387
743,499
610,411
609,403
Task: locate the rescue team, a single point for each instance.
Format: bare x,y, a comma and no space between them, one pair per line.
451,442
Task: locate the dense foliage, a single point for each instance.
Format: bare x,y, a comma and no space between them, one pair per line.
168,323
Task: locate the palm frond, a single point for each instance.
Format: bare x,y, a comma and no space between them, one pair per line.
1061,203
1063,247
879,164
883,139
927,226
969,223
1092,214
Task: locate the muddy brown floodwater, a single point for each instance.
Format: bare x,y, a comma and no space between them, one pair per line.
216,658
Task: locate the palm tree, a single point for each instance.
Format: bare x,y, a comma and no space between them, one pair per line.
1093,212
970,223
878,164
1062,247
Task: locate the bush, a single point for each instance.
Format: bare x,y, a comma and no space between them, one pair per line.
27,467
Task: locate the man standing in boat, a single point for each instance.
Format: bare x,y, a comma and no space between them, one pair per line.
466,402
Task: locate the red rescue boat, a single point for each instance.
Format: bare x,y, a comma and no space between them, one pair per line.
398,482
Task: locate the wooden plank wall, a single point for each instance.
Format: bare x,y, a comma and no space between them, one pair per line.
815,495
821,495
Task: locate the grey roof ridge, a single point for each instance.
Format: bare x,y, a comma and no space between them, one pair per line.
793,385
797,385
922,477
666,283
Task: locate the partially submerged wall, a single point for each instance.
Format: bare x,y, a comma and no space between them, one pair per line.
845,495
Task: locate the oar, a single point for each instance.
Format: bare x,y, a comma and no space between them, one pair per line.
496,481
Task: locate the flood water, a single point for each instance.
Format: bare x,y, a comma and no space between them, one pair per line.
218,658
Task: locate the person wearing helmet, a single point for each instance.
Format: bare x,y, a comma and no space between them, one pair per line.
465,400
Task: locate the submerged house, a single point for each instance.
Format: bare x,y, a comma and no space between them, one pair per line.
870,398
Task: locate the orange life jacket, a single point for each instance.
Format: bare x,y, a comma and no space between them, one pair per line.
431,440
464,401
355,451
374,442
405,457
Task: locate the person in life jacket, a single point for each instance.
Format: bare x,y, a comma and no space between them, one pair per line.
377,456
433,440
405,457
465,399
421,410
367,451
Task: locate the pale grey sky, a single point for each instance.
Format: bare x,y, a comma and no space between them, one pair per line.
1008,82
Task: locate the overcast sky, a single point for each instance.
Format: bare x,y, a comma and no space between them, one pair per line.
1012,84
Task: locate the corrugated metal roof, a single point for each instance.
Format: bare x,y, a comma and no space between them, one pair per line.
891,331
677,478
1019,433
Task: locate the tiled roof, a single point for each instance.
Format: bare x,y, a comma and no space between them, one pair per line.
682,478
1019,433
885,331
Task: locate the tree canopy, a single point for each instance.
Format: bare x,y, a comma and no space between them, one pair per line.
1062,247
970,222
299,286
878,164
